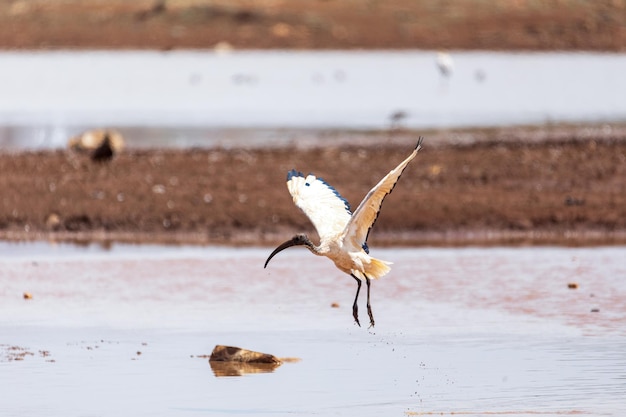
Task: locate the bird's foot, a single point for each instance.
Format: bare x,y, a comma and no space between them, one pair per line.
355,314
369,313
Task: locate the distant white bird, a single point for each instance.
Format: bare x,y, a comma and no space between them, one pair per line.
445,64
343,235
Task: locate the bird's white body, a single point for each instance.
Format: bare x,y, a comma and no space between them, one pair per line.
445,63
354,260
330,214
343,235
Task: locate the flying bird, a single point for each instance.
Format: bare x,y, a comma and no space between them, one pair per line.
343,235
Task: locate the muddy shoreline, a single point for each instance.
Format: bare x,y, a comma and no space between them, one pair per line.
313,24
556,190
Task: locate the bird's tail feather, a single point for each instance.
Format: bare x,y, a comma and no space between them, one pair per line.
377,268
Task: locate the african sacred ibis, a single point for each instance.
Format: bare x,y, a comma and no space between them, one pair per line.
343,235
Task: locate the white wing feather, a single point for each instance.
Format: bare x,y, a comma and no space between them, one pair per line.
366,214
327,210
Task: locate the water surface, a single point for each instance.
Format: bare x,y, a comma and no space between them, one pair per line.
49,96
119,331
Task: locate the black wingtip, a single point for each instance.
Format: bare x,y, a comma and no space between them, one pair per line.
294,173
419,143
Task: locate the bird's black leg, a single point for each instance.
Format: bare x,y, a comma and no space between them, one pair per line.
369,307
355,307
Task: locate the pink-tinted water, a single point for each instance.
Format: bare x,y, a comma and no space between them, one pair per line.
496,331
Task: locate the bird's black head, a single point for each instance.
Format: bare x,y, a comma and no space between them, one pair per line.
297,240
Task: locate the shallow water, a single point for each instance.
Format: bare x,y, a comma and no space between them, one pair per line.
188,98
119,331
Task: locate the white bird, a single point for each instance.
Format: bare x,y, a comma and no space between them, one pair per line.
343,235
445,64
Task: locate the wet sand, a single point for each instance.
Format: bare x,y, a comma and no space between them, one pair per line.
541,185
126,330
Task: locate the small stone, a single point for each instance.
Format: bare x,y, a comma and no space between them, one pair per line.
235,354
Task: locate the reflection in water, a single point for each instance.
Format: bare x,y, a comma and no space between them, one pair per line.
241,368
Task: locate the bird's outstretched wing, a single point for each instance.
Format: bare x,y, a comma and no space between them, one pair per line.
366,214
328,211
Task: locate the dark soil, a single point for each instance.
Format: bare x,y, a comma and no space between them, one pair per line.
552,191
315,24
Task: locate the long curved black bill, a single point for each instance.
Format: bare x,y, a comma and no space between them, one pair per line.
295,241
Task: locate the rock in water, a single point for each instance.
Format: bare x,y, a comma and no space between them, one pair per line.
235,354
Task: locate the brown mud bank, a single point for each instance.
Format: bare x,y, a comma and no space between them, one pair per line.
503,186
314,24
